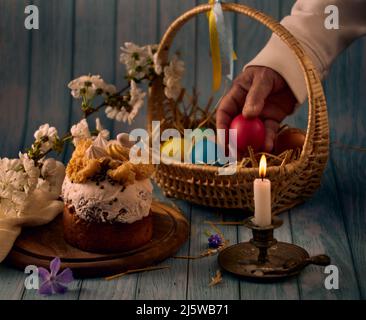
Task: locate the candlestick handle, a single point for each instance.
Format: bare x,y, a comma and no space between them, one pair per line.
320,260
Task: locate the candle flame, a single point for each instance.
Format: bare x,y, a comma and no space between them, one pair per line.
263,166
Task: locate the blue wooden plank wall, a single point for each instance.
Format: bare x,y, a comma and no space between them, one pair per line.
83,36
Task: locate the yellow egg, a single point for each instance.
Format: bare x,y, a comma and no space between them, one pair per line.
173,149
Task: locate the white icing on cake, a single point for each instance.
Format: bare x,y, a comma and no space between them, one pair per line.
98,148
109,203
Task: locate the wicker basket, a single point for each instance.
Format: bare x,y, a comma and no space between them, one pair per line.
291,184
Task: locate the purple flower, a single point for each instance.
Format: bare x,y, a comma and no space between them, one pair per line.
52,282
214,241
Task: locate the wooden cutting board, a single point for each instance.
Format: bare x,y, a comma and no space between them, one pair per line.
38,246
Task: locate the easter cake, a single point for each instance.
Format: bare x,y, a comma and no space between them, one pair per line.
107,198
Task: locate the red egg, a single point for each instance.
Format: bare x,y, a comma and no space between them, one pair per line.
250,132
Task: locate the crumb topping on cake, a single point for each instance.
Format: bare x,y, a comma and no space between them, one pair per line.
102,185
110,159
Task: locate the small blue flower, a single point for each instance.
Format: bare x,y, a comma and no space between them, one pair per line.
214,241
54,282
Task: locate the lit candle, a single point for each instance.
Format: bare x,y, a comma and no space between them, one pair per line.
262,196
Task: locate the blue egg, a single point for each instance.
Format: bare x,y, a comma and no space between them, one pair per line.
205,152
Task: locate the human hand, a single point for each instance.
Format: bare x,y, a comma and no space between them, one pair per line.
257,92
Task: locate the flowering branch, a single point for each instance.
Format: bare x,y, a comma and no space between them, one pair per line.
30,171
58,146
89,111
123,105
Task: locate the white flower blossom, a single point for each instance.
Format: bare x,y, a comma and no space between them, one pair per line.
48,168
43,185
12,180
173,74
138,60
21,178
101,131
111,112
157,65
120,115
80,131
109,89
135,103
18,178
152,49
90,86
134,58
47,136
49,175
31,171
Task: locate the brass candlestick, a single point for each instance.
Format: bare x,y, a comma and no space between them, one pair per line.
263,258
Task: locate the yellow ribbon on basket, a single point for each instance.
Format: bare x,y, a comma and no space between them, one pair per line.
215,49
222,52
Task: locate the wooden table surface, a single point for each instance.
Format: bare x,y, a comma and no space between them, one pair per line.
81,36
332,222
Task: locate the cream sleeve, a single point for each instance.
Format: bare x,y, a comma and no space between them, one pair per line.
307,24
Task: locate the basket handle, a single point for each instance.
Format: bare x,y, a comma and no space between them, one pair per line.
317,135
